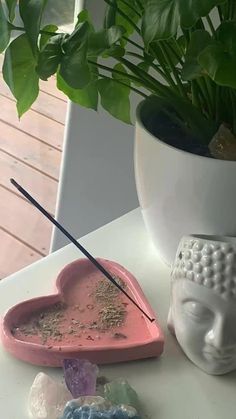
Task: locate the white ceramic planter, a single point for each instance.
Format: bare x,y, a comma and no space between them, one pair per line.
181,193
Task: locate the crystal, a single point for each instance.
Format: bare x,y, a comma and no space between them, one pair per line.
97,410
96,402
124,412
80,377
47,398
223,144
120,392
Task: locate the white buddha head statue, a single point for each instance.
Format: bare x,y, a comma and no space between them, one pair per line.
202,311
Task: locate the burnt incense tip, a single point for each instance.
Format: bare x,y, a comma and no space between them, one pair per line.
14,183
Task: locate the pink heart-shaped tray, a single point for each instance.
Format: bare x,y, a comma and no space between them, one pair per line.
86,318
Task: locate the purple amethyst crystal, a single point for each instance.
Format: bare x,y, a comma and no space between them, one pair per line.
80,377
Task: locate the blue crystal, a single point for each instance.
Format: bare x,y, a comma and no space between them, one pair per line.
88,412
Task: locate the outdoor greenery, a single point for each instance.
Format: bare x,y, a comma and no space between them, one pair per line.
171,49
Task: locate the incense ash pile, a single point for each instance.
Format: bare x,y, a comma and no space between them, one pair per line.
45,324
104,311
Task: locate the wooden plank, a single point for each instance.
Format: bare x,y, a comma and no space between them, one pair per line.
33,123
24,221
33,152
47,105
50,87
44,188
14,255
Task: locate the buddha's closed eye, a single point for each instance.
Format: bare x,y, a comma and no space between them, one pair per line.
197,311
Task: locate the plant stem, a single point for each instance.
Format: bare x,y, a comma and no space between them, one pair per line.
173,69
139,4
154,66
220,13
131,8
195,95
121,13
231,9
133,43
160,58
126,85
187,34
181,51
112,70
209,21
18,28
233,101
207,102
178,56
210,96
217,102
200,24
152,82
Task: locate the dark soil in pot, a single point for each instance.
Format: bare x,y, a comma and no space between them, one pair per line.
160,125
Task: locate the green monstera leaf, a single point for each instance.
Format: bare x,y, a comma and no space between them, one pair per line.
4,29
31,12
122,13
11,4
50,57
88,96
101,42
115,95
74,68
192,69
163,17
219,59
47,32
19,73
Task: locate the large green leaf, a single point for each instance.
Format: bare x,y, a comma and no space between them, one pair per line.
50,57
87,97
11,4
47,32
19,73
100,42
117,13
84,16
115,51
110,15
219,59
163,17
115,96
4,29
31,12
200,39
124,77
74,67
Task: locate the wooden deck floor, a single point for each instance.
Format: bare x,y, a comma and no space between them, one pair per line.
30,152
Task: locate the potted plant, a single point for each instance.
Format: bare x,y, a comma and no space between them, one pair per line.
180,57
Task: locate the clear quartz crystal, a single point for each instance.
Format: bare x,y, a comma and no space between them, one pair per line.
223,144
47,398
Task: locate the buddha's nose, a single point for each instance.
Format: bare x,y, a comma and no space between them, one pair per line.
222,335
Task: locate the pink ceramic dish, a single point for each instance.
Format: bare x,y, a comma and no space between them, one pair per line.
45,330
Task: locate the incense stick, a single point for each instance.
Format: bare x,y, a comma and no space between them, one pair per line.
78,245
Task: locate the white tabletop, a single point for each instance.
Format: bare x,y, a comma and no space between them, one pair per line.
170,387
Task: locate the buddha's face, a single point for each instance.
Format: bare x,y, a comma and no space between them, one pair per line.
205,326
